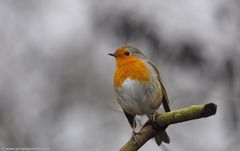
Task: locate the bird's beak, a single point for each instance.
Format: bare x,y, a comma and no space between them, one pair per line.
112,54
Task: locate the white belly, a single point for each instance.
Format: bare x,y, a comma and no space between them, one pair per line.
137,98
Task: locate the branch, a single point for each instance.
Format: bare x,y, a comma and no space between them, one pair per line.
165,119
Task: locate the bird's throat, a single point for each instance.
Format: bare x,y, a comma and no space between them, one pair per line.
132,68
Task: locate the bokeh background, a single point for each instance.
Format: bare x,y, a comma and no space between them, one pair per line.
56,80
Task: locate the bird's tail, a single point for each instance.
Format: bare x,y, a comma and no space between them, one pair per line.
162,137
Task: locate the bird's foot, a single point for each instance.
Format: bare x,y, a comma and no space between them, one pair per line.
152,120
134,133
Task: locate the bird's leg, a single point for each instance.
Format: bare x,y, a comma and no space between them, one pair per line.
154,116
134,127
134,133
132,121
152,120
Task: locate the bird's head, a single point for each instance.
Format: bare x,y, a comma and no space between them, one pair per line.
127,52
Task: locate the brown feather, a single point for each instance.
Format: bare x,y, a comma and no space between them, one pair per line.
165,100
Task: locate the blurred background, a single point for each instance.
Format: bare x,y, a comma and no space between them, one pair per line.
56,79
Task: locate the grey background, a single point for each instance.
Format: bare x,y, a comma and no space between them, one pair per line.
56,80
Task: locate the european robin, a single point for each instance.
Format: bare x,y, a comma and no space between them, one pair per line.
138,87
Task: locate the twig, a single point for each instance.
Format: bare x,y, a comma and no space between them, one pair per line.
165,119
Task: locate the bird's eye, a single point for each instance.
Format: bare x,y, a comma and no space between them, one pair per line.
127,53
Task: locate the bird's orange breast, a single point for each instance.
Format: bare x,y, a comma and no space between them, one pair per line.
130,67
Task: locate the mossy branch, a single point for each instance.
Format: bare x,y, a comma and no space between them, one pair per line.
165,119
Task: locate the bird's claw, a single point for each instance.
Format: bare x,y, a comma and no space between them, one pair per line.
152,120
134,136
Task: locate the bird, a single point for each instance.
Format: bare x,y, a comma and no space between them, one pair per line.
138,88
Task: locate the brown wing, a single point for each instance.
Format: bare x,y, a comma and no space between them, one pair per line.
165,96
